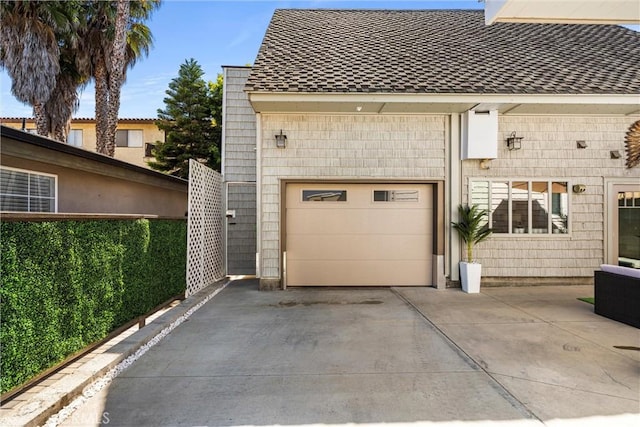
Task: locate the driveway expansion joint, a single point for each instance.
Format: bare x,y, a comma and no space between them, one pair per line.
480,366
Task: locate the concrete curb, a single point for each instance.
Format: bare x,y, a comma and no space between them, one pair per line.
104,361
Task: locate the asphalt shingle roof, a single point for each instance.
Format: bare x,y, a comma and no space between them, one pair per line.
441,51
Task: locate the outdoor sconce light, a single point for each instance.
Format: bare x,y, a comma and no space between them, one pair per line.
281,140
615,154
581,144
514,142
579,188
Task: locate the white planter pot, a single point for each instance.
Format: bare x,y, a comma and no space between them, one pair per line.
470,274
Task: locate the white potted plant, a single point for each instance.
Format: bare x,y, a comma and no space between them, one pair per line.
472,228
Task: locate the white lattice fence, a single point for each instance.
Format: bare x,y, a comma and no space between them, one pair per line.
205,256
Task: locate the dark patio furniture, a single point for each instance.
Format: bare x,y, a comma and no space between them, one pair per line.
617,296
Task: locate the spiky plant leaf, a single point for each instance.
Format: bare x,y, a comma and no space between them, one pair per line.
471,227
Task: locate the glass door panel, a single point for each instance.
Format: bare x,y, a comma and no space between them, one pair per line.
629,229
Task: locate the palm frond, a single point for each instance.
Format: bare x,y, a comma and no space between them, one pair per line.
471,227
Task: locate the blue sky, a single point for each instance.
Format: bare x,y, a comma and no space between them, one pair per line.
214,33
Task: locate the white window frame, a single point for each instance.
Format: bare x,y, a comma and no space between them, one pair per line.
529,182
28,196
75,132
128,131
612,187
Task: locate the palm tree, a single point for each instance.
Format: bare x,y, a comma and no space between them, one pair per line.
64,100
112,38
30,49
116,73
52,48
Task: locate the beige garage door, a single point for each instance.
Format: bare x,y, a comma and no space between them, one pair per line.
358,234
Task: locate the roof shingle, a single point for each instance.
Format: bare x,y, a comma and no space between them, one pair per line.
441,51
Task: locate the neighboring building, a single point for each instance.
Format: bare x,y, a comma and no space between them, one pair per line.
134,137
38,174
370,127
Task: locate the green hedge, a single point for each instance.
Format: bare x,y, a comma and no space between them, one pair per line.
67,284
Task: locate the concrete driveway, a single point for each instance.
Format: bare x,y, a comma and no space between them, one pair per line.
390,356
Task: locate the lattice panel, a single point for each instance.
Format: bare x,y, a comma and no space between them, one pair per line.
205,250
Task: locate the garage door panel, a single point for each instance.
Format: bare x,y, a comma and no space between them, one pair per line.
358,247
381,235
358,221
359,273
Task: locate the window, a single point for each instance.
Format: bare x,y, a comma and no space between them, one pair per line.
524,206
25,191
148,149
75,137
324,195
129,138
395,195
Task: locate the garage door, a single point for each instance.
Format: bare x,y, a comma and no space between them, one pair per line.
358,234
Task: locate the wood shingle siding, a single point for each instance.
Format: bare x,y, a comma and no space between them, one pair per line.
239,128
239,171
342,147
549,151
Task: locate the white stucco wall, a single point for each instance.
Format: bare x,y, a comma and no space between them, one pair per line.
344,147
549,151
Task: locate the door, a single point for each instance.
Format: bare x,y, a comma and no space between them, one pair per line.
626,226
358,234
241,228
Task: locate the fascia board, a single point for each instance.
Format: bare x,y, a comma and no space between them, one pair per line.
595,99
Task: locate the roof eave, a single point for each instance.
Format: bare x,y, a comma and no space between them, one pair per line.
421,103
586,12
31,140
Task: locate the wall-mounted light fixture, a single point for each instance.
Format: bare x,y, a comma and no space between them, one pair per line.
579,188
281,140
581,144
615,154
485,164
514,142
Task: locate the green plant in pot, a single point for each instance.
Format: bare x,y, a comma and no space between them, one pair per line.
472,228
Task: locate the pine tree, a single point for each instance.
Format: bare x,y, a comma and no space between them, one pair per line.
187,121
215,91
